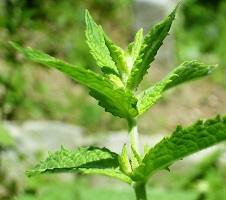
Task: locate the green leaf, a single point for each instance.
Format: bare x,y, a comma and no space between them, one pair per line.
118,56
124,161
187,71
150,96
134,48
152,42
89,160
183,142
124,107
116,100
135,158
96,43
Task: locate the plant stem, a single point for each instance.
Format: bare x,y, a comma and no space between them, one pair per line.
140,190
139,187
134,135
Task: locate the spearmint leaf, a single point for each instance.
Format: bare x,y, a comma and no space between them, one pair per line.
135,158
124,161
150,96
123,108
117,55
96,43
134,48
105,91
152,42
183,142
187,71
91,160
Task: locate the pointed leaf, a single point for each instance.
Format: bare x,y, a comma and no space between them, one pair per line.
108,94
124,161
135,158
152,42
96,43
150,96
183,142
92,160
118,56
134,48
187,71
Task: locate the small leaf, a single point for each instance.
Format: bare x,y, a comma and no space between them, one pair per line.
183,142
96,43
118,56
91,160
187,71
135,158
102,88
134,47
152,42
124,161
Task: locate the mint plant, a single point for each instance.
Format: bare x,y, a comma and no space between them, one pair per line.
115,88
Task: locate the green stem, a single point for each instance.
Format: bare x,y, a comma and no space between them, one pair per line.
139,187
140,190
134,135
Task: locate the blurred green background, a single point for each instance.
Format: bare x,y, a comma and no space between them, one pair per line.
33,93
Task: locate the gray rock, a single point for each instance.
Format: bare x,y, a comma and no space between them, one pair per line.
150,12
33,136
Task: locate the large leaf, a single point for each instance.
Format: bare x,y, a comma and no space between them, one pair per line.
152,42
91,160
187,71
114,99
183,142
96,42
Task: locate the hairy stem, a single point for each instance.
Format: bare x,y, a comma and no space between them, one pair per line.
140,190
134,135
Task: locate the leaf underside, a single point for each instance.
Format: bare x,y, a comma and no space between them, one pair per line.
183,142
149,48
114,99
88,160
187,71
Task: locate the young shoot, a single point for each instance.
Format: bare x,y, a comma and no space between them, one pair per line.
115,89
